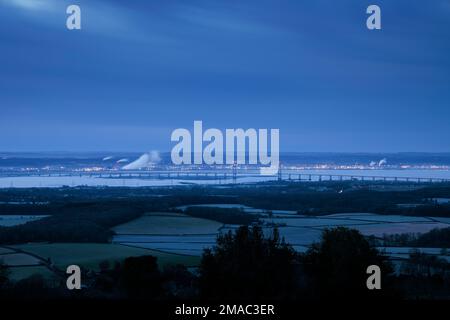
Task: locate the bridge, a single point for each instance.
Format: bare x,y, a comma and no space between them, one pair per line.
232,175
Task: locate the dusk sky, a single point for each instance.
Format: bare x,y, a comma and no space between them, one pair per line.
139,69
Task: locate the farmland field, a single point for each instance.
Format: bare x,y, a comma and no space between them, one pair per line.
442,219
392,228
191,249
89,255
19,273
187,235
186,244
168,224
314,222
299,236
217,205
19,259
378,218
4,251
15,220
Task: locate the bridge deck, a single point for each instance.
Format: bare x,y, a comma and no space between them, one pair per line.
222,174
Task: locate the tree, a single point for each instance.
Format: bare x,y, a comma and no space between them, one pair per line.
337,265
140,277
179,282
4,273
420,263
247,265
104,265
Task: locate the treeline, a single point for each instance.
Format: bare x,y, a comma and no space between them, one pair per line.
307,198
60,196
77,222
328,202
425,210
436,238
86,214
439,238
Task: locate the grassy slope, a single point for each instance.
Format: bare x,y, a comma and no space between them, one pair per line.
167,223
19,273
89,255
18,259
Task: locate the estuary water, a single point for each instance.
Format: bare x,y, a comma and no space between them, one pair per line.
25,170
55,181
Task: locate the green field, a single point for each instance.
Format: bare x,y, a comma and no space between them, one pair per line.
89,255
20,273
168,224
19,259
5,250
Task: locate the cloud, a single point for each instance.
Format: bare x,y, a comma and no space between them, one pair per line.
99,18
223,19
446,5
34,5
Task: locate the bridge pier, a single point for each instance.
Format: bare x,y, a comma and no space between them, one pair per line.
225,174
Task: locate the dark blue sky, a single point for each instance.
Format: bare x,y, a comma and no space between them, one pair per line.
139,69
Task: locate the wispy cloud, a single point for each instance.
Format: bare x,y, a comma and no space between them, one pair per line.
446,5
99,18
224,20
35,5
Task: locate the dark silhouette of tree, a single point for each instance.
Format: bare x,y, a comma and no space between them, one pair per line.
337,266
434,238
179,282
104,265
4,273
420,263
140,277
33,287
247,265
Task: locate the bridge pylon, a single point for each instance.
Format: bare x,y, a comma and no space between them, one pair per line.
234,172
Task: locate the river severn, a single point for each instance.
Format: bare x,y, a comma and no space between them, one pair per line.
155,169
199,178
